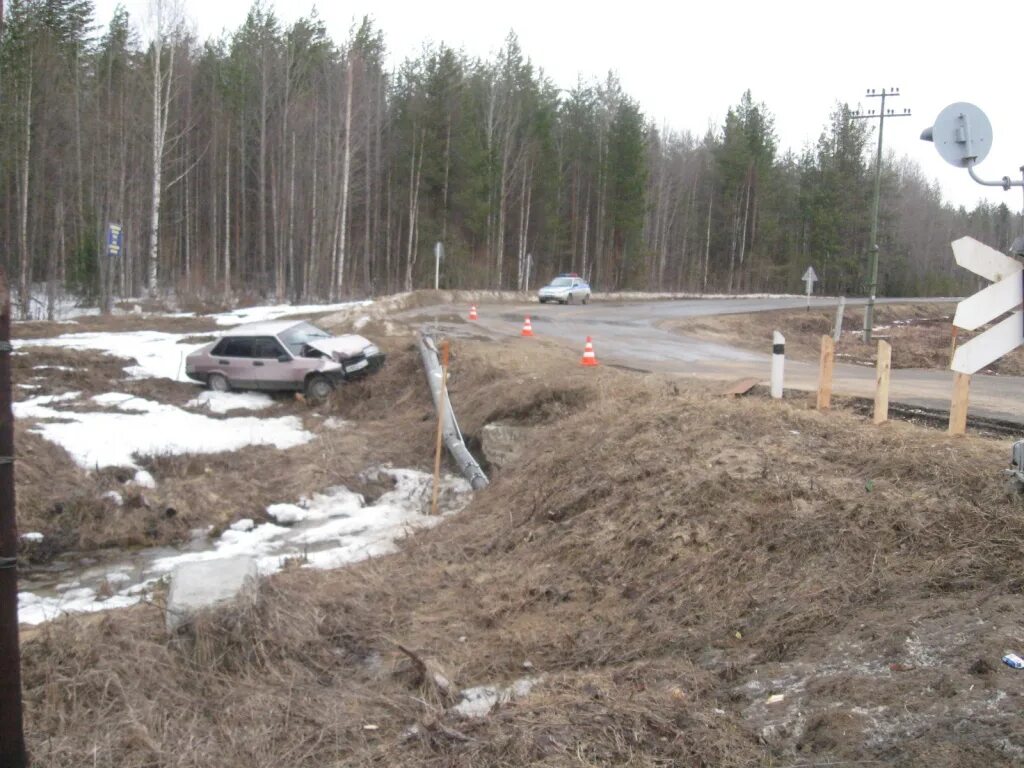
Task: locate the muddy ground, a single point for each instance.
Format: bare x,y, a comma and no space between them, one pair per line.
920,334
686,579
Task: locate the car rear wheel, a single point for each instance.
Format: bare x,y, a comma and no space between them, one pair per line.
218,383
318,389
586,299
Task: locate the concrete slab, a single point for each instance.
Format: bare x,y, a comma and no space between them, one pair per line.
195,586
502,443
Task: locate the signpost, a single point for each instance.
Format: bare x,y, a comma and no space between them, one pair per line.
114,240
810,278
1005,294
438,257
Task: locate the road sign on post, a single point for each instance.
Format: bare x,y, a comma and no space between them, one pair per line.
114,240
809,278
1005,294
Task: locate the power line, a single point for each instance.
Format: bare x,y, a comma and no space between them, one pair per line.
880,115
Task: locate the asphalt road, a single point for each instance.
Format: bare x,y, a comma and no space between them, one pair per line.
629,334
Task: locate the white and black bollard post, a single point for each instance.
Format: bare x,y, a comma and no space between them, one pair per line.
778,363
837,329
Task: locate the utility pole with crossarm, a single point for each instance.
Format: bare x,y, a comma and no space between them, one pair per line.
871,114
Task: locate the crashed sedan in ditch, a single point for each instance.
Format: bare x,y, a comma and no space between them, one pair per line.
283,355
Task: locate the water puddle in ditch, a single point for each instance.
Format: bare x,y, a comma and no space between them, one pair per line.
327,530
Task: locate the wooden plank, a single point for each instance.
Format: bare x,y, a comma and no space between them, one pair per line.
985,348
958,405
828,356
740,387
983,260
883,366
989,303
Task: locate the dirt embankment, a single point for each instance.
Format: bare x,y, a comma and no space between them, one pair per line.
688,580
920,334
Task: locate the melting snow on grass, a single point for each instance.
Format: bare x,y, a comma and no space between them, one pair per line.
277,311
147,428
479,701
222,402
329,530
157,354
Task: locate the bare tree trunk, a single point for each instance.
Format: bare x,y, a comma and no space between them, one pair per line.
227,221
415,172
345,173
261,162
746,218
312,263
707,247
54,258
161,107
278,254
291,222
447,174
585,268
25,276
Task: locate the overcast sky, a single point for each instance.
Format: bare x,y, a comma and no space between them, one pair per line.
686,63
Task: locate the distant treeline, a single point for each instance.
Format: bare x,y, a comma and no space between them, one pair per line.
275,161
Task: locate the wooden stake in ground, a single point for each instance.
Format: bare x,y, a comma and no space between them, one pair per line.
958,405
952,344
883,366
440,424
828,356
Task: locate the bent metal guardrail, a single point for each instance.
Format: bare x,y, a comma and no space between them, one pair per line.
451,435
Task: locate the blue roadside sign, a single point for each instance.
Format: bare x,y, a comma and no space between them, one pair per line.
113,240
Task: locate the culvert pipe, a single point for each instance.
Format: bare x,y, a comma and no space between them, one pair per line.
450,433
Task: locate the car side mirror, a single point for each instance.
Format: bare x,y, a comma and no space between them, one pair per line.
283,358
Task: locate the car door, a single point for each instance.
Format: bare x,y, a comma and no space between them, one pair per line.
270,370
234,360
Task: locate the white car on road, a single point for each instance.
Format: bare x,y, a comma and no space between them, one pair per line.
566,289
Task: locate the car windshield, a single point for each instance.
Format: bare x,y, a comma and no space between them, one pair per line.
296,337
561,282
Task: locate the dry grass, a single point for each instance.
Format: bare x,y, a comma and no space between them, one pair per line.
655,555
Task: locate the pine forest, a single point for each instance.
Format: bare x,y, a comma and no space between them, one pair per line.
277,163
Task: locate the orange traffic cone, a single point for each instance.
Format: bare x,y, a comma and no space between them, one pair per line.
589,358
527,328
472,313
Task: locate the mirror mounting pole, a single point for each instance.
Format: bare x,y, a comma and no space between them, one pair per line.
1006,182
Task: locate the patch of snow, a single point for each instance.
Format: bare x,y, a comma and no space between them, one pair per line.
29,386
361,322
35,407
334,423
479,701
154,429
33,536
157,354
334,502
144,479
52,368
332,529
277,311
222,402
125,402
36,609
115,497
65,306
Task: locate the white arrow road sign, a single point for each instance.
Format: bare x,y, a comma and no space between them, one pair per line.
991,302
983,260
810,278
997,341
